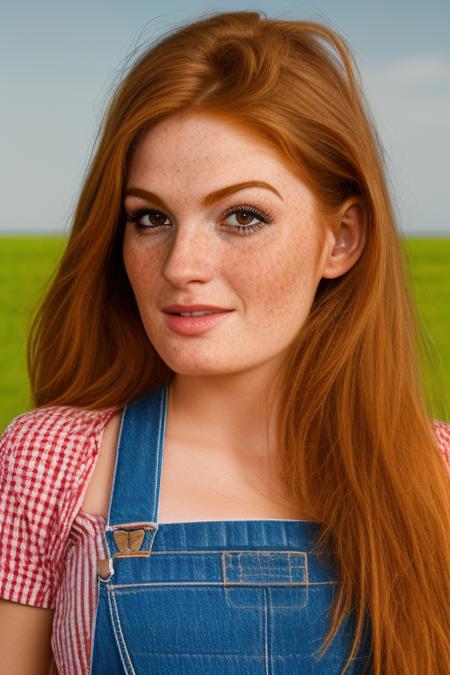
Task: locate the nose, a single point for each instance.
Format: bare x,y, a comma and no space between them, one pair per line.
191,256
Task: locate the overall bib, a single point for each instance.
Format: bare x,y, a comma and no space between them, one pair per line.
231,597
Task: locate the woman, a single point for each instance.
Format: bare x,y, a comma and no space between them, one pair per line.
299,521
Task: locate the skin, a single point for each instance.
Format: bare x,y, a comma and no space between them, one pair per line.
219,457
223,393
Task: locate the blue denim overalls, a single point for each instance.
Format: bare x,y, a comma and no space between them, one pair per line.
231,597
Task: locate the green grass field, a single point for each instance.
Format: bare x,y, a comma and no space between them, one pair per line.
27,262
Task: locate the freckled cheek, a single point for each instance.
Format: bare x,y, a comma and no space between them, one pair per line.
281,287
142,272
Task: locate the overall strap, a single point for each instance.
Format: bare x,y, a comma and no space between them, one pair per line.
133,510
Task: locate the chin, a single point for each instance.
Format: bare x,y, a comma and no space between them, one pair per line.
198,368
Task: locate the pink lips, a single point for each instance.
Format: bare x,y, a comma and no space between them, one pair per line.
176,309
193,325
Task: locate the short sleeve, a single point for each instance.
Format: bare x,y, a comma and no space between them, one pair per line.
46,456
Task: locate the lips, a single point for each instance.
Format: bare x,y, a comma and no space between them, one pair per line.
194,313
195,325
176,309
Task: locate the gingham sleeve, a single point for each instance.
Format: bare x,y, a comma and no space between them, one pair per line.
441,431
46,458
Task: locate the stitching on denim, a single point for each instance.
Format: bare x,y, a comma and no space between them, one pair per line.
159,450
324,661
224,572
266,584
214,656
260,558
233,584
266,629
302,563
231,592
226,550
275,657
276,606
230,560
241,571
123,651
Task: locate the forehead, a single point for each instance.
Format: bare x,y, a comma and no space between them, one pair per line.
197,149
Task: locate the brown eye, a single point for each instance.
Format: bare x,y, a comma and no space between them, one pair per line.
244,217
156,218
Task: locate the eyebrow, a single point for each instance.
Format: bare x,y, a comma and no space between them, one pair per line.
209,199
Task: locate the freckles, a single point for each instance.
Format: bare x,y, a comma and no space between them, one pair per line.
140,266
288,279
263,283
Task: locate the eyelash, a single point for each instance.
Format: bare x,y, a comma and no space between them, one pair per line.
135,216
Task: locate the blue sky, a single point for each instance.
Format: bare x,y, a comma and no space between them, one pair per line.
60,60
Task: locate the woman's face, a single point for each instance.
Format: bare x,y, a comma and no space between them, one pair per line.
186,249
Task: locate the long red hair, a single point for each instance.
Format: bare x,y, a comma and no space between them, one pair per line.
355,433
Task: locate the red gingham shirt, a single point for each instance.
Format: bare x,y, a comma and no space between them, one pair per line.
49,547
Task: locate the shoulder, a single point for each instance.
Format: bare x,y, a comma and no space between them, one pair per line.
441,432
50,443
45,457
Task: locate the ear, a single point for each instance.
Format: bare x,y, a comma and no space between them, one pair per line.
346,242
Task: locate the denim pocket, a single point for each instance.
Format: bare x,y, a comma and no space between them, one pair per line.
283,573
